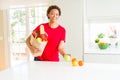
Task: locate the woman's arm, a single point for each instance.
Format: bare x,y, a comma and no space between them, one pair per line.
61,49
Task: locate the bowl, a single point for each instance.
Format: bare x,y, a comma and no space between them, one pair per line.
103,45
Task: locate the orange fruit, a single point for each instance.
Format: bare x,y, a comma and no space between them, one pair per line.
80,63
74,59
74,63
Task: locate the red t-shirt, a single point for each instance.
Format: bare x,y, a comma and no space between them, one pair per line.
55,35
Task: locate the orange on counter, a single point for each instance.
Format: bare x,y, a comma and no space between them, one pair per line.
80,63
74,62
74,59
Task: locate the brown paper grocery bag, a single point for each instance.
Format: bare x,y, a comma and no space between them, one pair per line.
41,45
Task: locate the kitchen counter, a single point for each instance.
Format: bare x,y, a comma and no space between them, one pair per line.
42,70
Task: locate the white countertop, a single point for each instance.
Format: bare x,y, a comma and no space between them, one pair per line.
38,70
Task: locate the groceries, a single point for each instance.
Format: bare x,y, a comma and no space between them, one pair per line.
67,57
39,40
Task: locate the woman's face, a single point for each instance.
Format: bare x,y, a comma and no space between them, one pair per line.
53,15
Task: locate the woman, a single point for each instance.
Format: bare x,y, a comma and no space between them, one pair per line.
56,37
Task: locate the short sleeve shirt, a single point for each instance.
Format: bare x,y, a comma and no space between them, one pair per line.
55,35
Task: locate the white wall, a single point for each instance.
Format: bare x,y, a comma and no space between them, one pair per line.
71,19
103,8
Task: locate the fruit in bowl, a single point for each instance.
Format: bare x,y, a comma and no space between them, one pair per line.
103,45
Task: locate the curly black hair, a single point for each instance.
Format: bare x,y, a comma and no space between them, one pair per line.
53,7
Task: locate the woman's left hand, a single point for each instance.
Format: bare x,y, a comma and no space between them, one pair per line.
68,54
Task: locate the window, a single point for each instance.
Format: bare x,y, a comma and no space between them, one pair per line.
102,36
22,20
